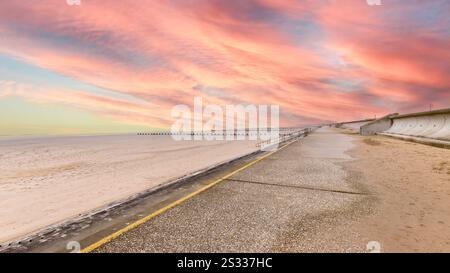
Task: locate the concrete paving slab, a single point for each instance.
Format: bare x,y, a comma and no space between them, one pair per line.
234,217
307,172
327,143
309,163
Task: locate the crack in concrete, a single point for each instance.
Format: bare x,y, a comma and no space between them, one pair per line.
298,187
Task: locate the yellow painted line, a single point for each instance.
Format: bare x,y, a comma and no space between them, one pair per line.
116,234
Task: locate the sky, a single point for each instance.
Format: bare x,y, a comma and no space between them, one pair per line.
121,66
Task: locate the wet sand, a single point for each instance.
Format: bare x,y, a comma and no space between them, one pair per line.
47,180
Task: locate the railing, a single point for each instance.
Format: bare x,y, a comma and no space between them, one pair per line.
285,136
282,135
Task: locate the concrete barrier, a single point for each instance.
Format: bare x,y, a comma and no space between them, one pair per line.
376,126
432,125
353,125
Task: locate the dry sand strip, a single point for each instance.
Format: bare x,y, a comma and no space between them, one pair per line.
313,197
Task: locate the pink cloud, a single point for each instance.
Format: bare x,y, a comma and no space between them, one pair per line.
349,61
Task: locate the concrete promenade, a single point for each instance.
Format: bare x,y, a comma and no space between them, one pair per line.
298,199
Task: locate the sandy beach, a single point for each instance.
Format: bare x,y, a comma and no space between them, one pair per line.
47,180
411,183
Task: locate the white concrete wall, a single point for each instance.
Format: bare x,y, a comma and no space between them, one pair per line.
433,125
377,126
